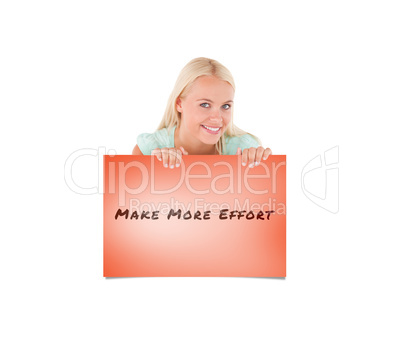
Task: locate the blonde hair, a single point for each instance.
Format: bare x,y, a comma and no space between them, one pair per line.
193,70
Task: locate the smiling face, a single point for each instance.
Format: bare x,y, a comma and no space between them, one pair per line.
206,110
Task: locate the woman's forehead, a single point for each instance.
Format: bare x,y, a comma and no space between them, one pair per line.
211,86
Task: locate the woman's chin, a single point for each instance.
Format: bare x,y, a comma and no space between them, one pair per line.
210,140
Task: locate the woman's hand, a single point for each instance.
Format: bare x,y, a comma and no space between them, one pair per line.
253,156
169,156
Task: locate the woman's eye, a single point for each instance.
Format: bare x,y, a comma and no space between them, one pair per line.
205,105
226,106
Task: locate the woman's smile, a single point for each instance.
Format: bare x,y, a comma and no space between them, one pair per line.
211,130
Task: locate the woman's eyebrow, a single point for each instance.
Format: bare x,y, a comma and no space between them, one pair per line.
209,100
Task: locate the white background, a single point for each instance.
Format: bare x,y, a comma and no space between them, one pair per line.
310,75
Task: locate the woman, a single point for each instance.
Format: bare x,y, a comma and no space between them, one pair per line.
199,119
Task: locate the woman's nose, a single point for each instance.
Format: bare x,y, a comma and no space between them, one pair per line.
216,115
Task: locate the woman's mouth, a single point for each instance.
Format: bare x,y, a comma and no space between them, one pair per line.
211,130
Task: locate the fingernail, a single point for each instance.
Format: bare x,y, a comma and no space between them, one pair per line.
165,165
244,163
251,165
177,164
256,163
172,166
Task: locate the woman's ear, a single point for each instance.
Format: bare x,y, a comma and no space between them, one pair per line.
178,105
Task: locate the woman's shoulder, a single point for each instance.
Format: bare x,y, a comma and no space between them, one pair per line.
147,142
242,141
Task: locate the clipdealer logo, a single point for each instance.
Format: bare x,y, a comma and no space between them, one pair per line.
319,177
320,180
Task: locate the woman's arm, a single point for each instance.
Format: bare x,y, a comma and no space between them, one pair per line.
137,151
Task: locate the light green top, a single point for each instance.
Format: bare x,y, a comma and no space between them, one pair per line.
147,142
